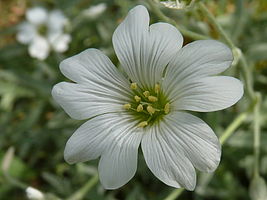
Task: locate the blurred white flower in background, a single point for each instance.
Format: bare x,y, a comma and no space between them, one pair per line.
95,11
149,106
34,194
173,4
44,31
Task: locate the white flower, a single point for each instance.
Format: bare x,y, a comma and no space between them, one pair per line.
95,11
173,5
44,31
149,107
34,194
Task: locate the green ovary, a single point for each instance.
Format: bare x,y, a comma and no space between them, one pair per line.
147,106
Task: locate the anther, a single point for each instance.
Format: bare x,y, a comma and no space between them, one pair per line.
127,106
142,124
150,110
137,98
167,108
157,88
152,98
139,108
146,93
133,86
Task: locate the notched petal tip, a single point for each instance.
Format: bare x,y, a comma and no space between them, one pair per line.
64,65
169,31
139,8
56,91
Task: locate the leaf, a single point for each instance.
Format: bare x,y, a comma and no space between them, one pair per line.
258,189
8,157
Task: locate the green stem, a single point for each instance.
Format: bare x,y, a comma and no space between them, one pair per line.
85,189
184,31
247,77
217,26
14,181
233,126
174,194
256,128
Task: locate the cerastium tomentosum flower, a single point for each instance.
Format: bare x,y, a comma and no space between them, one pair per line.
149,106
44,31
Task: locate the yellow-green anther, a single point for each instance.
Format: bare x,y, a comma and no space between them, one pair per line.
150,110
157,88
137,98
167,108
133,86
152,98
146,93
139,108
142,124
127,106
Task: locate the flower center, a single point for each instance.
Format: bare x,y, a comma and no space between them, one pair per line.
42,29
147,106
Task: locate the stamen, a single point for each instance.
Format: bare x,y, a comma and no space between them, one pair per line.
167,108
137,98
127,106
133,86
142,124
157,88
146,93
139,108
152,98
150,110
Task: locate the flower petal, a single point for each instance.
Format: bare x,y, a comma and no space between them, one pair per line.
26,33
207,94
118,163
196,60
145,51
116,138
59,42
56,21
37,15
166,160
100,89
39,48
199,143
91,139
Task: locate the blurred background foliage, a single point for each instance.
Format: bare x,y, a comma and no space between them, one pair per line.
34,129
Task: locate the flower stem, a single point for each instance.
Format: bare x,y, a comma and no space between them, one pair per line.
85,189
184,31
247,77
256,127
174,194
217,26
233,126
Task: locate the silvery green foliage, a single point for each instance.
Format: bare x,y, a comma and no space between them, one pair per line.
258,189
